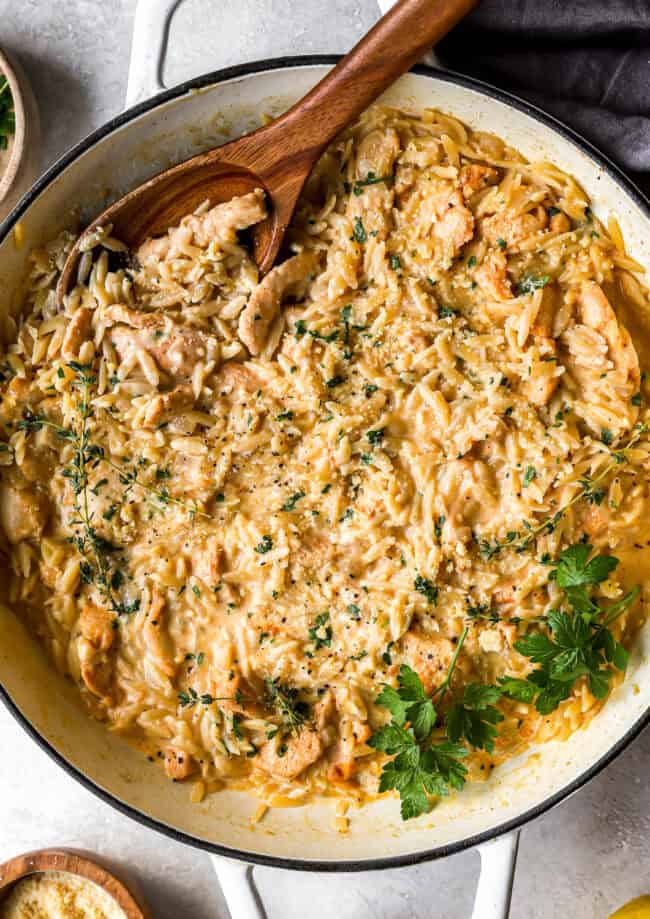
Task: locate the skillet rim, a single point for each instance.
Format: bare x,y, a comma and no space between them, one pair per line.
353,865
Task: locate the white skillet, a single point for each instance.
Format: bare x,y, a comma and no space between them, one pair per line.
146,138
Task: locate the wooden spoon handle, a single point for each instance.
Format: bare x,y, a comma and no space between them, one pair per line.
397,41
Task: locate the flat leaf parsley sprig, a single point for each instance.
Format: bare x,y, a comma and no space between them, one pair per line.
574,641
424,768
580,643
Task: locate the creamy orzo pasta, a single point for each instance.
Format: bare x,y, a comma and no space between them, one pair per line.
234,508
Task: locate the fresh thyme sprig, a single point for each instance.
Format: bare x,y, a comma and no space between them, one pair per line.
282,699
98,554
128,477
520,540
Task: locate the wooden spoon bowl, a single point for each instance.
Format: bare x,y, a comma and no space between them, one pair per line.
74,862
279,157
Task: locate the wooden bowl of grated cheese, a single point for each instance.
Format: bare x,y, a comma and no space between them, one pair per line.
64,884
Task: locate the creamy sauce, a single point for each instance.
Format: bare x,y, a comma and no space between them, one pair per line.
284,505
59,895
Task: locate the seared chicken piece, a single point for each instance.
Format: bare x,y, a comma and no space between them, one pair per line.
264,304
288,758
221,222
23,512
176,349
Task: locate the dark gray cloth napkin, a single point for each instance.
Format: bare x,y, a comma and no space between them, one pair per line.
587,62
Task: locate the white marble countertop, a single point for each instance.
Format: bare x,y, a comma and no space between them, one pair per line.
581,860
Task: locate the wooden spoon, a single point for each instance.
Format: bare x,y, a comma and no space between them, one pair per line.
279,157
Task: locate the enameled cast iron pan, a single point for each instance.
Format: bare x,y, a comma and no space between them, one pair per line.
153,134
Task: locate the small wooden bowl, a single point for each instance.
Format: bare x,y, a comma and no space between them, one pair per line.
21,169
74,862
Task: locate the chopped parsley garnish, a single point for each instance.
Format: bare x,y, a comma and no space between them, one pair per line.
427,588
359,231
284,416
395,262
446,312
501,243
376,437
335,381
290,503
264,545
371,179
369,389
532,282
471,261
354,611
438,525
321,632
607,437
529,476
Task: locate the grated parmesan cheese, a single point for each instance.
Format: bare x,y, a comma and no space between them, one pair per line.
59,895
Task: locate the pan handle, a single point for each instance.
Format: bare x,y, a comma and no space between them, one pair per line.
148,49
494,891
238,888
493,894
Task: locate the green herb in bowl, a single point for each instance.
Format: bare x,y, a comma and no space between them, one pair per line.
7,114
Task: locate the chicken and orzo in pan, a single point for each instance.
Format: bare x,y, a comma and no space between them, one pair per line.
372,523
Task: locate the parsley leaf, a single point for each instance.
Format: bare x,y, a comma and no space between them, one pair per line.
359,231
321,632
514,688
375,437
418,772
531,282
290,503
421,769
427,588
580,644
574,567
264,545
475,716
